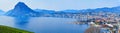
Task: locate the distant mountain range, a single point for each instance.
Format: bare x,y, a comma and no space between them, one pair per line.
22,10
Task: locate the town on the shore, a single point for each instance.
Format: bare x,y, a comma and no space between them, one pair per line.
101,22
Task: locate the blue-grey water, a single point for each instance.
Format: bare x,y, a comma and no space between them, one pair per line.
44,24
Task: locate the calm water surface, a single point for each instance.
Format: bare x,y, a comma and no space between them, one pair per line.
44,24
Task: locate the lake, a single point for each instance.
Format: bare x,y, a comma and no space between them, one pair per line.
44,24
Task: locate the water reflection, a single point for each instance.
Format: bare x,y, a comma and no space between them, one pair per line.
21,22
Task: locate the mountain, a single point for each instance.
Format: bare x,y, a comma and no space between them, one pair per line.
22,10
71,12
104,9
1,12
44,11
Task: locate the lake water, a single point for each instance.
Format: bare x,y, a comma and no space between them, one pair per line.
44,24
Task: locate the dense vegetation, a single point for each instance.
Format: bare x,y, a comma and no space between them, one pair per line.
6,29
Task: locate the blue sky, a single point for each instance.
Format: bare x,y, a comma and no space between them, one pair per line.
60,4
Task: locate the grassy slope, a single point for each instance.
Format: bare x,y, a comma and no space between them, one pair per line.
6,29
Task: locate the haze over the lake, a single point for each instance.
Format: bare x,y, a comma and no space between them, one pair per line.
60,4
